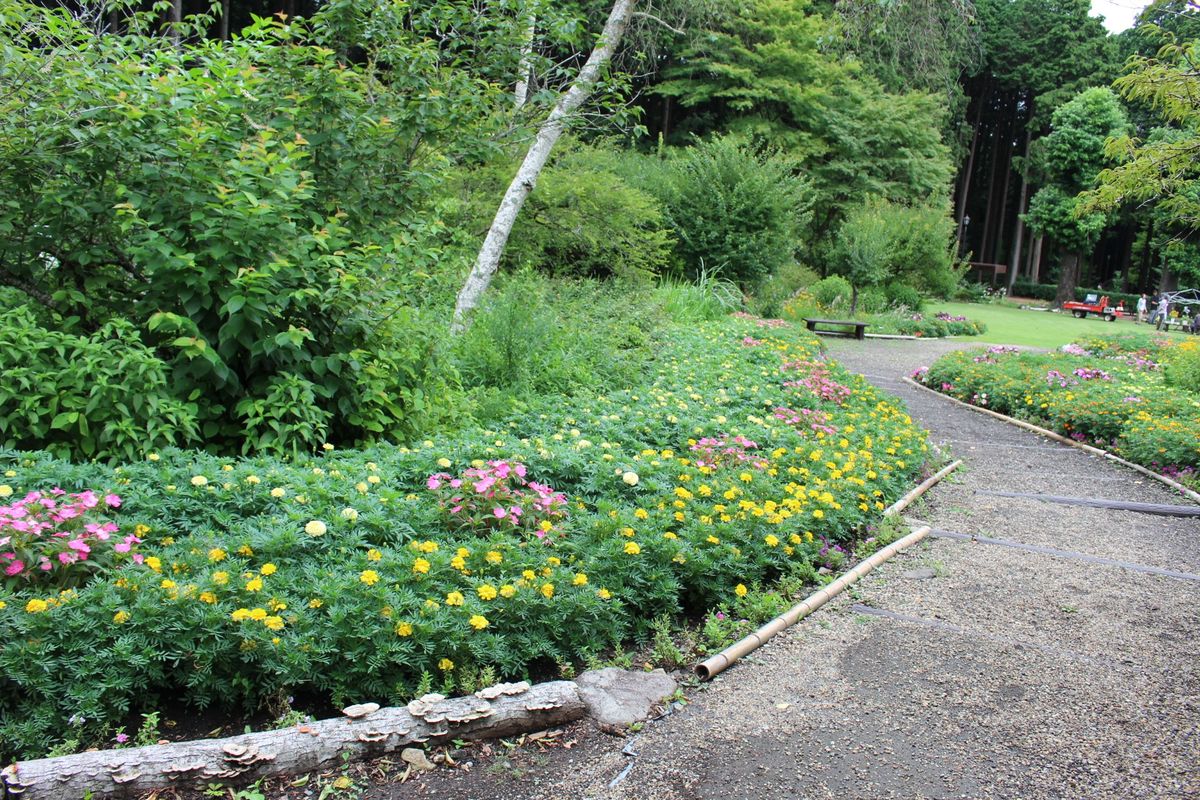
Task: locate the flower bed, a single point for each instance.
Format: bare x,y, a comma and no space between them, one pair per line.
374,574
1113,393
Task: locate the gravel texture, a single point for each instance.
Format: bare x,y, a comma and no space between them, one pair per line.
958,669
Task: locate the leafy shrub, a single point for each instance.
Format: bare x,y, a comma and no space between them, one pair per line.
701,300
735,212
103,396
902,296
584,220
832,292
772,293
246,205
1183,367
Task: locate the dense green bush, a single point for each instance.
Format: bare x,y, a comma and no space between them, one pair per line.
105,395
736,213
831,292
780,286
255,209
901,296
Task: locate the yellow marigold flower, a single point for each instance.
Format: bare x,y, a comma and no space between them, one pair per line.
683,493
486,592
119,618
315,528
326,447
373,479
458,562
245,550
554,560
199,480
3,605
276,605
153,563
445,665
641,513
153,457
350,514
740,590
404,629
258,614
253,480
220,578
273,623
421,566
240,614
493,557
546,526
462,552
361,487
444,463
369,576
631,548
374,555
315,603
529,575
217,554
547,590
268,569
167,583
507,591
630,478
254,585
6,491
713,540
427,547
478,622
603,594
580,579
818,513
771,539
454,599
36,606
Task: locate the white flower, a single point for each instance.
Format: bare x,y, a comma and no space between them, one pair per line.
315,528
631,478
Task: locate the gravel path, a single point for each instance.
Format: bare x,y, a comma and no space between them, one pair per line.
1010,673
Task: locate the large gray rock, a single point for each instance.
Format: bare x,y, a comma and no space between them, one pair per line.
616,698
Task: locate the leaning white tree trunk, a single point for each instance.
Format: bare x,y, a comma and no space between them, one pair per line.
525,67
497,237
365,731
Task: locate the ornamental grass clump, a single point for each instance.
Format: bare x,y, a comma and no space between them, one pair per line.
55,539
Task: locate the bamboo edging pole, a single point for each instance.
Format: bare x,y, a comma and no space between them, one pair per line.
710,667
1058,437
718,663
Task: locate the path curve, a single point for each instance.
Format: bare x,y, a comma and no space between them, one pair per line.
1053,660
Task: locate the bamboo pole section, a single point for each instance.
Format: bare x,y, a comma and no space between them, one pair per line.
1058,437
710,667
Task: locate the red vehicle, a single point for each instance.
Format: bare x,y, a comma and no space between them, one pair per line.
1091,305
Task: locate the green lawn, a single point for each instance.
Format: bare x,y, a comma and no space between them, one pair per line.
1006,325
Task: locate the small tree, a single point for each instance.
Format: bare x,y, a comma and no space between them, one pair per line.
1068,161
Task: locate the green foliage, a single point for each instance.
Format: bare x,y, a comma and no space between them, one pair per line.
1183,367
779,287
831,292
105,395
885,243
585,220
737,214
258,209
701,300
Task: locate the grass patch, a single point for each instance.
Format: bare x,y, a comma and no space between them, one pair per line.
1006,325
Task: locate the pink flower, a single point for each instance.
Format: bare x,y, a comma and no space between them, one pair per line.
499,512
138,558
121,547
15,568
433,482
88,499
65,557
112,500
79,545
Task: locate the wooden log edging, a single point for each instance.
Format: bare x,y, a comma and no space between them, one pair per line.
366,731
1058,437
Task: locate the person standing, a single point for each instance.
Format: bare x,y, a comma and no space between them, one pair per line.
1160,313
1141,308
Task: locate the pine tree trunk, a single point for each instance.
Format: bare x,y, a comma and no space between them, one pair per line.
1035,262
966,185
522,184
225,20
1015,260
1144,265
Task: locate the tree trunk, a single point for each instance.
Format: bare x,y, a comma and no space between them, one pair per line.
998,234
500,711
1015,260
966,186
225,20
522,184
991,201
1126,263
1035,262
1144,264
176,21
1069,278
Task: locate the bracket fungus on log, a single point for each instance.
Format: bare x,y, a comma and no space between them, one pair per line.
364,731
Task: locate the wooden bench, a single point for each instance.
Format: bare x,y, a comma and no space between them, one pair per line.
860,328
